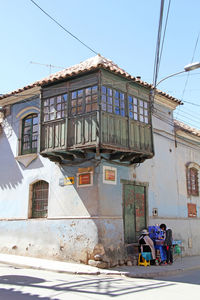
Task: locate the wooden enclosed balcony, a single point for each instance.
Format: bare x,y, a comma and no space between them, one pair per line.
96,114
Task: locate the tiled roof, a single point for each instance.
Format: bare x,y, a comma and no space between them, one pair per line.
181,126
90,64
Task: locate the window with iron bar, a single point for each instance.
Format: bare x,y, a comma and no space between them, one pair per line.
192,182
40,199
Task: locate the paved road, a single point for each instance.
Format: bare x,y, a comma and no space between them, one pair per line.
192,277
28,284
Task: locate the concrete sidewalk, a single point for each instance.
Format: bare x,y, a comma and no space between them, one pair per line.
180,264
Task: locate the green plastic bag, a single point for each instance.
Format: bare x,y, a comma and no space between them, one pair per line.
177,249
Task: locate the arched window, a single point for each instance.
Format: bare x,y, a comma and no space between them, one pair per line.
29,134
192,181
40,191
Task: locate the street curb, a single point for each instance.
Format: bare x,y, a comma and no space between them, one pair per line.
97,271
162,273
155,274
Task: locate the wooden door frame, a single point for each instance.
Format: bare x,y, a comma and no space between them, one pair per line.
139,183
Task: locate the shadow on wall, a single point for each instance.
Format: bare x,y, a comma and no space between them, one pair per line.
10,175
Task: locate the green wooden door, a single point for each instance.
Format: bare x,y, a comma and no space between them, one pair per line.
134,212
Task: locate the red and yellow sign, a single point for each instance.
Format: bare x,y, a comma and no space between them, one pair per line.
84,178
110,175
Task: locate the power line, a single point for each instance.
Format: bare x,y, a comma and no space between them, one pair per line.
191,119
195,118
157,54
188,102
64,28
186,82
188,123
163,116
189,114
188,74
164,31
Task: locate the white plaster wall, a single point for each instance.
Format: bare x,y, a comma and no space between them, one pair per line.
67,240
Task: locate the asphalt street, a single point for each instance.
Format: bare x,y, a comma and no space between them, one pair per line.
29,284
192,277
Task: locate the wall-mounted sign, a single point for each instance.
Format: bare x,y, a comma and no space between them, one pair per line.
192,210
85,179
109,175
66,181
85,170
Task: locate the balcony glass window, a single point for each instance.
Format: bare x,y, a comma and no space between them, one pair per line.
84,100
112,101
138,109
54,108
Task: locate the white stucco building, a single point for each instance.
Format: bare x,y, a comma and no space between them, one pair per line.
79,175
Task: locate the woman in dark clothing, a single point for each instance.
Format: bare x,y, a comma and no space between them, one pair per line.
168,243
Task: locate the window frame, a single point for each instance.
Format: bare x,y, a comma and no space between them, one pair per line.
138,109
109,98
30,149
78,100
51,104
43,213
192,181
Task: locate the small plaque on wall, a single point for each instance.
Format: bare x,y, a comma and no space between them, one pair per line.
192,210
109,175
85,179
68,180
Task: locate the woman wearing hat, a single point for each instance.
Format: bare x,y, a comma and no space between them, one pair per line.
146,243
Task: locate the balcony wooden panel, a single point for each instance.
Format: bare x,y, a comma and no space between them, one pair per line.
140,136
53,135
114,130
82,130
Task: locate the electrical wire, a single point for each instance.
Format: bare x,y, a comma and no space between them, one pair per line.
67,31
183,112
195,47
190,115
188,102
164,31
157,53
188,118
188,74
192,122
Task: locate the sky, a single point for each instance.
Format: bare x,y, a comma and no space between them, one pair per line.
124,31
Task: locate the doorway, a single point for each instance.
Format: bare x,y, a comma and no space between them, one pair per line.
134,211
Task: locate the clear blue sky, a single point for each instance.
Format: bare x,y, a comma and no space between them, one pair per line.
124,31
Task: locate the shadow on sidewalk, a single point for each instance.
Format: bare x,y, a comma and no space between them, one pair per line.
112,287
